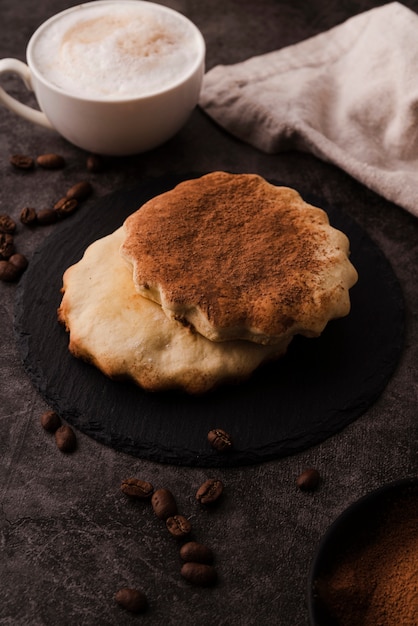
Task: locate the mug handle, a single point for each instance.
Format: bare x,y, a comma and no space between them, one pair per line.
23,71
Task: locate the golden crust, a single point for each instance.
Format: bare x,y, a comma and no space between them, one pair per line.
129,337
236,257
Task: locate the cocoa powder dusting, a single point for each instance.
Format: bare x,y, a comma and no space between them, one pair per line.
246,253
375,583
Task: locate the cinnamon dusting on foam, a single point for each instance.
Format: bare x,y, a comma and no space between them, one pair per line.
156,41
127,49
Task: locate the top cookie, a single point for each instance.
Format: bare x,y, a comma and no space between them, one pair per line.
236,257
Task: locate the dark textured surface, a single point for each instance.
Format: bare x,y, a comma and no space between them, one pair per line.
68,537
320,386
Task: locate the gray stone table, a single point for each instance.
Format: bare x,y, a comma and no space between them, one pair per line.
68,537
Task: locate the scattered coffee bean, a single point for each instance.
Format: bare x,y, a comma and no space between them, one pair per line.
94,163
137,488
7,225
28,216
80,191
132,600
65,438
209,491
19,261
308,480
46,217
7,246
199,574
51,161
178,526
22,161
220,440
163,504
9,273
50,421
65,206
196,553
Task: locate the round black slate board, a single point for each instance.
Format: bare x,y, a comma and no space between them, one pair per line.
319,387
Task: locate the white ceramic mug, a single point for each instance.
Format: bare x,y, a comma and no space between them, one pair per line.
114,123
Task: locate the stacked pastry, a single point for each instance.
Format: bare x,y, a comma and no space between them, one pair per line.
205,282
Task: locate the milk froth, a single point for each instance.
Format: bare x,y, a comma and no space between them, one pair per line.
116,51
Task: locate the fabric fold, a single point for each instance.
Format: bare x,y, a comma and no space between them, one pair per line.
348,95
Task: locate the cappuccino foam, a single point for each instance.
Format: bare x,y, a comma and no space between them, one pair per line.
125,49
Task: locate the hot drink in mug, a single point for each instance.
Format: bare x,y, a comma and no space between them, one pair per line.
113,77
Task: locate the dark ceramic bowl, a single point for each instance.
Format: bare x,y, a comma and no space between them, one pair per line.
356,524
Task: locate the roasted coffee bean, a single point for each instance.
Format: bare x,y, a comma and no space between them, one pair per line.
199,574
19,261
9,273
220,440
196,553
132,600
7,246
22,162
163,503
46,217
210,491
137,488
65,438
28,216
65,206
94,163
50,421
7,225
308,480
80,191
178,526
51,161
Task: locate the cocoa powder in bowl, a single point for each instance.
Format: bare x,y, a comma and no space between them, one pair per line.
366,569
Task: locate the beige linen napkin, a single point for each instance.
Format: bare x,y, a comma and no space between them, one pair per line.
348,96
